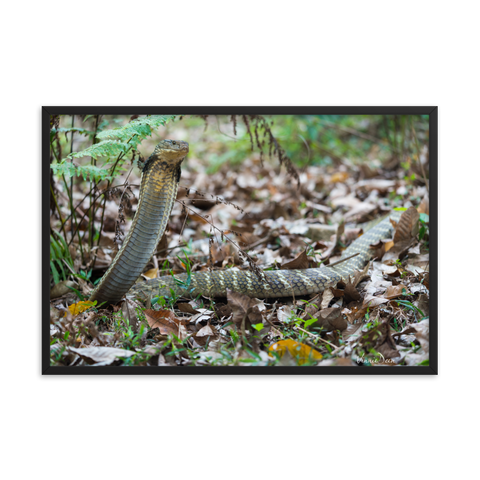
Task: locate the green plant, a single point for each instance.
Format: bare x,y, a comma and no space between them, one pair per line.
108,154
60,258
129,340
423,232
410,306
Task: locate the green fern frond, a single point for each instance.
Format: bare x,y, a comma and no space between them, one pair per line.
135,131
125,133
88,172
91,172
108,148
114,142
64,168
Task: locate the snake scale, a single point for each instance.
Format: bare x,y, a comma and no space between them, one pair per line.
158,190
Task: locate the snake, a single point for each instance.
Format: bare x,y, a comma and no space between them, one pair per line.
158,190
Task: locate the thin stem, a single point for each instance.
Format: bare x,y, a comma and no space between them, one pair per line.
318,337
62,222
342,260
71,178
92,189
94,212
72,212
418,157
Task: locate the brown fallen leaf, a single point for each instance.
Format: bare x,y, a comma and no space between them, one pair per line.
300,262
223,311
204,334
187,308
407,226
405,234
395,291
245,308
424,206
165,321
380,339
373,301
62,288
337,292
152,273
354,313
330,319
351,293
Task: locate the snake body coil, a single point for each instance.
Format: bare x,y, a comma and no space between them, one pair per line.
157,194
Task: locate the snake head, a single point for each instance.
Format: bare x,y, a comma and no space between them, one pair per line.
169,152
171,149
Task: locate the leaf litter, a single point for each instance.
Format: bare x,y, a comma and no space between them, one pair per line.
377,318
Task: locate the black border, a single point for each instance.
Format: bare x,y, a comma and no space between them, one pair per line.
432,369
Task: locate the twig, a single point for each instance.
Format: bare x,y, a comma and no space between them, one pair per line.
342,260
218,128
62,223
418,156
318,337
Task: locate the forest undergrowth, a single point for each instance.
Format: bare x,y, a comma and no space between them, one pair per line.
255,193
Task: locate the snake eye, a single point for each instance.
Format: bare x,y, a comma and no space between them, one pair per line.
174,143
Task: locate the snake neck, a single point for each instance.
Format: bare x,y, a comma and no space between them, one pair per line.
158,191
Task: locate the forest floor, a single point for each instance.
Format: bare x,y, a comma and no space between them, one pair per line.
379,318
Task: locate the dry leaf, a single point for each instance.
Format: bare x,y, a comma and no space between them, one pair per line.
380,339
373,301
284,313
187,308
102,355
202,315
407,226
339,177
330,319
298,263
351,293
299,351
80,307
164,320
405,234
245,308
326,298
62,288
204,334
424,206
395,291
152,273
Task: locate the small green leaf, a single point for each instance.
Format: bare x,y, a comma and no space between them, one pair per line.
258,326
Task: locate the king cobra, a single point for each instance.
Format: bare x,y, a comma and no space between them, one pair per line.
158,190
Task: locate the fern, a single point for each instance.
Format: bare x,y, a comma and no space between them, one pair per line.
88,172
108,148
137,130
81,131
114,142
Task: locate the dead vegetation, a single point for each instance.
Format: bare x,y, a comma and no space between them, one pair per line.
250,215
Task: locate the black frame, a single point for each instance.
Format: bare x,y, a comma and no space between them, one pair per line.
427,109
